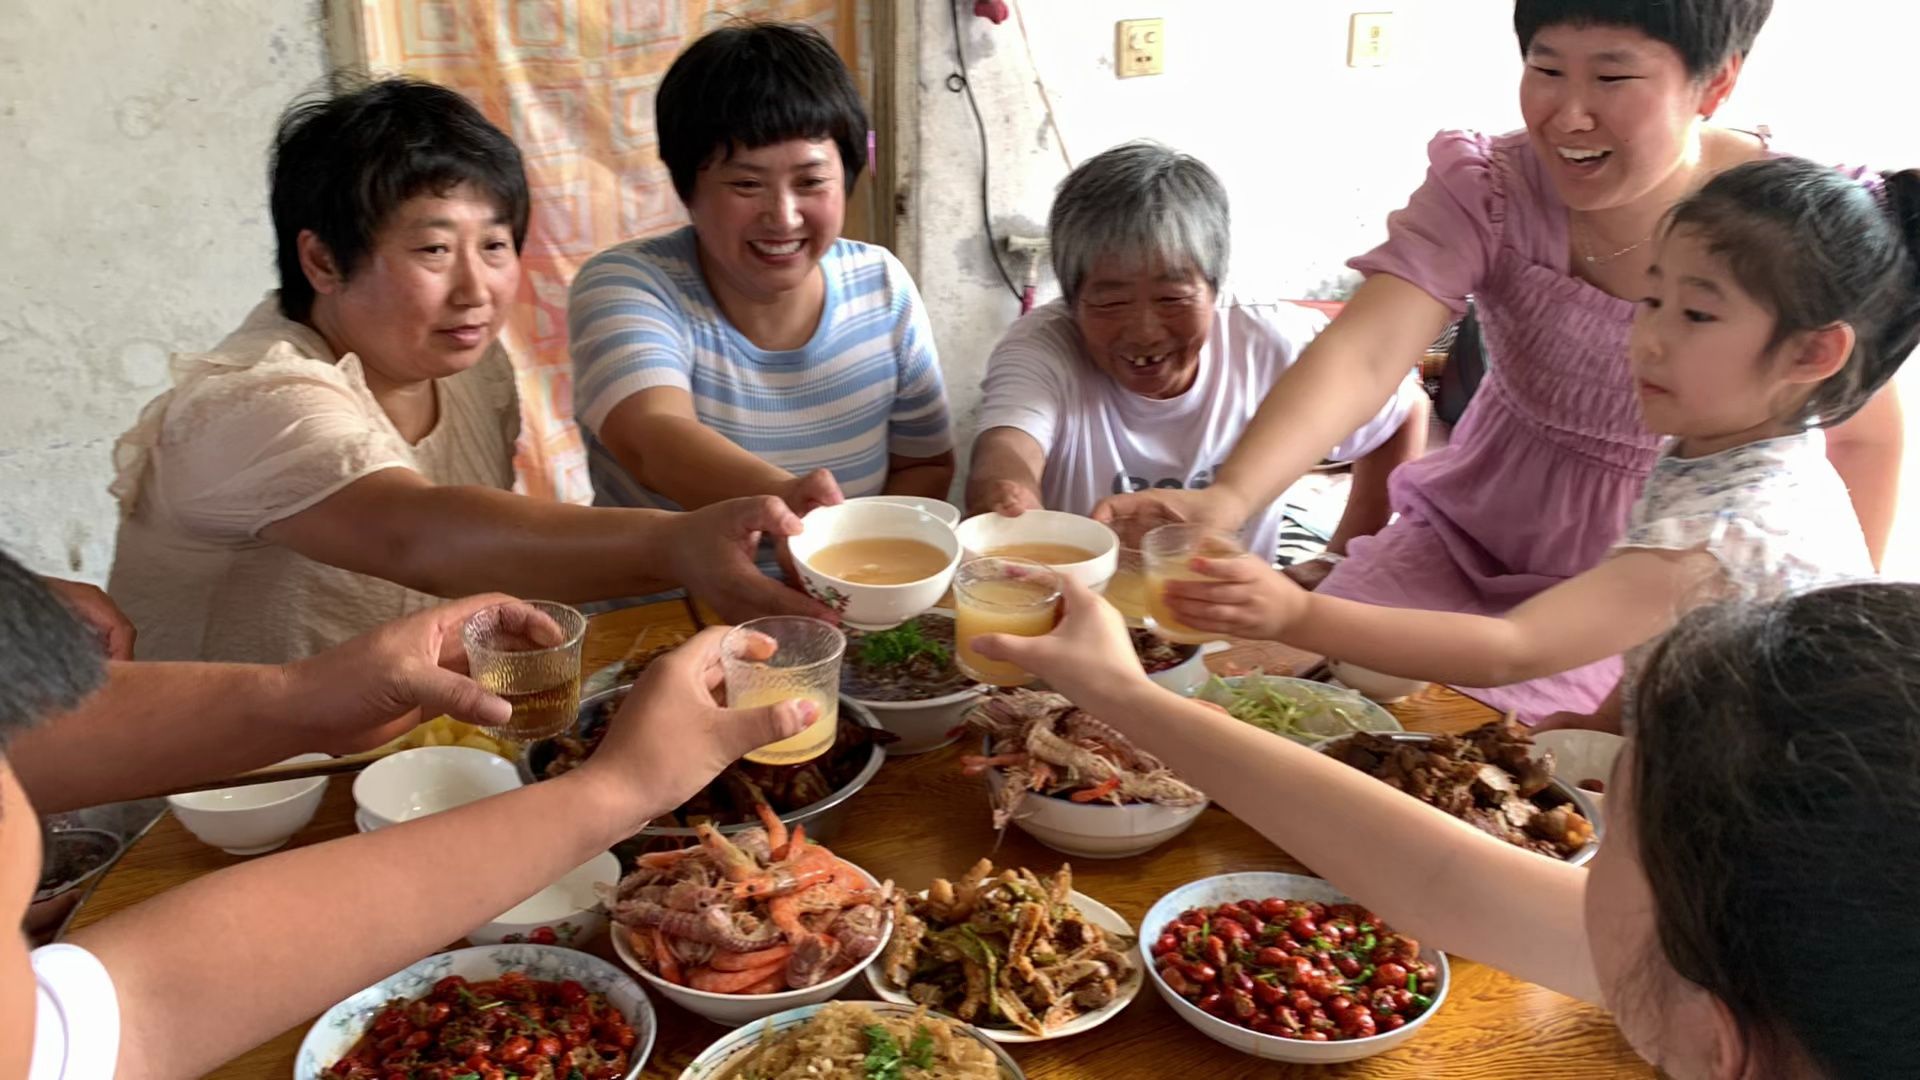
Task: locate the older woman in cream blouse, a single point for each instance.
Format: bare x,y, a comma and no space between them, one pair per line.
346,454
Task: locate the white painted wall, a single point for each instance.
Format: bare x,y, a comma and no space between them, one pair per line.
1314,154
136,224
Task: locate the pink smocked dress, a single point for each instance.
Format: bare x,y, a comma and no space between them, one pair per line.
1536,483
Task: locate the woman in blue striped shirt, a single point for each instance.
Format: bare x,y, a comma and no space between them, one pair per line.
756,351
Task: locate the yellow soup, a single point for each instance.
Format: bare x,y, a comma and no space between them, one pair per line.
1021,608
1046,554
813,741
885,561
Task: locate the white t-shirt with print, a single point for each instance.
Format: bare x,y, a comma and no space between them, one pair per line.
76,1022
1102,440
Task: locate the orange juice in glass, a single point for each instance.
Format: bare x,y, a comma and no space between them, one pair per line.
805,664
1001,596
1168,551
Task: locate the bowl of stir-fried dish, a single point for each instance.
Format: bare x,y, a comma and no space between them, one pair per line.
813,793
907,679
1492,778
1298,709
1020,956
855,1040
1074,783
538,1011
1288,968
1177,667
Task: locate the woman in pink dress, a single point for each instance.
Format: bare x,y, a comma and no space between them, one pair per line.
1548,230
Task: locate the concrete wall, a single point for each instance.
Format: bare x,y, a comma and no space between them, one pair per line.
1314,153
136,225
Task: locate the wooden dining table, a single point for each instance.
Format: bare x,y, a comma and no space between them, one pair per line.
921,818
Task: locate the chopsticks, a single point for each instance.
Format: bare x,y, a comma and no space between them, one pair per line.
299,770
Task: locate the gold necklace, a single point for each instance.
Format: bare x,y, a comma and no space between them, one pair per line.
1586,247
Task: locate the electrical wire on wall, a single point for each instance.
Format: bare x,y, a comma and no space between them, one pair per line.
958,83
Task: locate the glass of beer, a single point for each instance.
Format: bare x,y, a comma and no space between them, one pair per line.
1168,551
805,663
999,595
528,651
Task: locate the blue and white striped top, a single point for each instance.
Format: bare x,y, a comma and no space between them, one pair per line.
867,384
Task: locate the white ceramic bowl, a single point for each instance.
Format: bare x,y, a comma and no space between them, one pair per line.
939,508
253,819
1096,913
1096,830
715,1060
1374,685
341,1026
1322,723
873,607
427,780
1186,676
987,533
923,725
1579,756
569,909
1258,885
736,1009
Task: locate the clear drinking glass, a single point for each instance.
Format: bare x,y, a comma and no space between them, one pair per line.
998,595
805,664
1127,589
510,654
1168,549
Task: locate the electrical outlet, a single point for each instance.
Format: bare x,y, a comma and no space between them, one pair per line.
1367,38
1139,47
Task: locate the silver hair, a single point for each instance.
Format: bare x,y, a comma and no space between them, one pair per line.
1139,200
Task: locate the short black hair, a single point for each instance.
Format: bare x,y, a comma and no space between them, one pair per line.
346,158
1706,33
753,84
49,661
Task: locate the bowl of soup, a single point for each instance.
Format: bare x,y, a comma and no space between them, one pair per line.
876,564
1078,547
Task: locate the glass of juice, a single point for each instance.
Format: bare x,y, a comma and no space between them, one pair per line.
1001,596
1127,589
1168,550
528,651
805,664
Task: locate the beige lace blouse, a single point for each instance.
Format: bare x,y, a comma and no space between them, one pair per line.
266,425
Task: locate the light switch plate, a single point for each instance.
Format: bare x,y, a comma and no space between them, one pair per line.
1139,47
1367,38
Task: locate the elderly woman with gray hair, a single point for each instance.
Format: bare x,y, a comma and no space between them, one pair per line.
1141,375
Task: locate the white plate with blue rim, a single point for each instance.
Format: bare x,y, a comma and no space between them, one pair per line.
341,1026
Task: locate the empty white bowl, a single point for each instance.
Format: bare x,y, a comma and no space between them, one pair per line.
1258,885
253,819
873,607
566,913
1097,830
939,508
989,534
427,780
734,1010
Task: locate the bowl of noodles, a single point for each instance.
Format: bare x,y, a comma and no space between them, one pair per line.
854,1040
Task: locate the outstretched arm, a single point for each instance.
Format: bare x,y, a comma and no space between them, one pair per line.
1631,598
1425,872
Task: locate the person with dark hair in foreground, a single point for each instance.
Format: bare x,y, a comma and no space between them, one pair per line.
148,992
345,457
1550,230
1750,915
756,351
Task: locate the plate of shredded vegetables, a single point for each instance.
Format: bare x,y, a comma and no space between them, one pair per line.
1298,709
